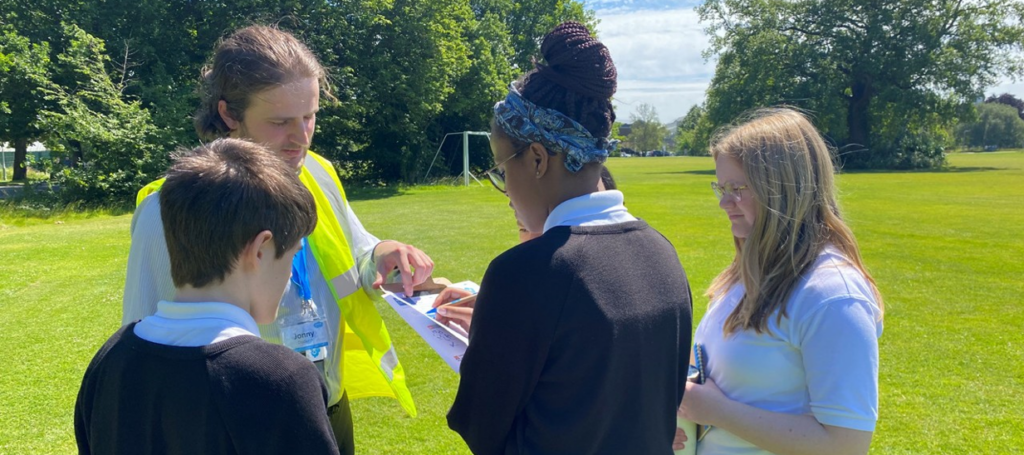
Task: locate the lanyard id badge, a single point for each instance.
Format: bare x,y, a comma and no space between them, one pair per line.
303,327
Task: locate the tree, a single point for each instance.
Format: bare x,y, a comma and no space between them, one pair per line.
1008,100
529,20
997,125
871,72
405,71
6,64
688,139
112,141
647,131
503,37
399,63
24,77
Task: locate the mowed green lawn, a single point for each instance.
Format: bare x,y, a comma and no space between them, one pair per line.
946,249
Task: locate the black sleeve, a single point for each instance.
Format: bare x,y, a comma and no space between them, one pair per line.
275,401
508,346
81,426
87,392
685,339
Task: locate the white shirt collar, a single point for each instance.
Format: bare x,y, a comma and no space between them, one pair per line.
593,209
195,324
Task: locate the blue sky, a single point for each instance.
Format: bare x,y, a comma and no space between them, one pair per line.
657,45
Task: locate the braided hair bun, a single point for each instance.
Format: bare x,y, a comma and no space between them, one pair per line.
577,78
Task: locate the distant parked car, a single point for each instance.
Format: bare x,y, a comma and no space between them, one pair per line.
657,153
991,148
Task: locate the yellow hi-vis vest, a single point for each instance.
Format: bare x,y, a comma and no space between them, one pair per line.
370,366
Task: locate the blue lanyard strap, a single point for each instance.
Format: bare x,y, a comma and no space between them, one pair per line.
300,275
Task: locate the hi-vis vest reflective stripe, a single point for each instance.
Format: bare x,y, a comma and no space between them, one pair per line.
370,366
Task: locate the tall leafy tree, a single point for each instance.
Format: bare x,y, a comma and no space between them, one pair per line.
405,72
504,37
529,20
1008,100
485,82
997,125
871,72
646,131
24,79
688,141
396,64
113,137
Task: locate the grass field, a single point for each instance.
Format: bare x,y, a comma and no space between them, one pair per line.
945,247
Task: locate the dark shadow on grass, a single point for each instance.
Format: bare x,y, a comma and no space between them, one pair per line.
47,205
942,170
369,193
693,172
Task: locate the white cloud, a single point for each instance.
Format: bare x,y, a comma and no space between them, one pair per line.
657,46
658,57
619,6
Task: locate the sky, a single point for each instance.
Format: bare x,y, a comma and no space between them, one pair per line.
657,46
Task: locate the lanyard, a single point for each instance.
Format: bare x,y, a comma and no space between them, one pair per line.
300,275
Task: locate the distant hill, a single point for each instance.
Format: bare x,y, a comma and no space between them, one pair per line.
672,127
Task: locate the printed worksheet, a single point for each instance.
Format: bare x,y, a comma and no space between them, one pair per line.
449,342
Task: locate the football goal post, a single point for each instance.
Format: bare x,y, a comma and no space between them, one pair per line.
466,175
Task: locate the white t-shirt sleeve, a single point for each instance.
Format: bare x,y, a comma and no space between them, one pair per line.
148,275
362,243
839,344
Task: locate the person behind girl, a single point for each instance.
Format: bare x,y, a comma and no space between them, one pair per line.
791,334
580,333
607,183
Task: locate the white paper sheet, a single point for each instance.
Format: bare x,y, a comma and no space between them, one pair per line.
449,342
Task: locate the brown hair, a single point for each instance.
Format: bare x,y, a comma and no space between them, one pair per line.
790,174
577,78
218,197
249,61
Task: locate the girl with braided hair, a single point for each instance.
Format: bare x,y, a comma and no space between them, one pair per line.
579,337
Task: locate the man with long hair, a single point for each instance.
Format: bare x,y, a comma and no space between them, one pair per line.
264,85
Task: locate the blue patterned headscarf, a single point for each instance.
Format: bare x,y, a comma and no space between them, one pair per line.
527,122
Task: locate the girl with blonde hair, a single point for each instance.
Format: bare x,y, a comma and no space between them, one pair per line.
791,334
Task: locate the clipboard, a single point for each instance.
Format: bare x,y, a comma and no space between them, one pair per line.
448,342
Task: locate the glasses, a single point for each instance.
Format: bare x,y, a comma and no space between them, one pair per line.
730,190
497,176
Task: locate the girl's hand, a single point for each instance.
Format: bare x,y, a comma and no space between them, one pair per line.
702,402
679,443
462,315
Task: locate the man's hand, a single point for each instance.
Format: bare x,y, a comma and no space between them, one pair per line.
414,265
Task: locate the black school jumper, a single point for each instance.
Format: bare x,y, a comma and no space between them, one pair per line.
237,396
579,345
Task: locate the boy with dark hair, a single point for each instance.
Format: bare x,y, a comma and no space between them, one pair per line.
195,377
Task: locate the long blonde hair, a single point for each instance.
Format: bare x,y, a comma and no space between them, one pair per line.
790,173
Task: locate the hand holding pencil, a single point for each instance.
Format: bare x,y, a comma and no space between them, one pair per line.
455,305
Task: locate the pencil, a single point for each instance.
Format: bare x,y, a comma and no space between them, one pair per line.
464,300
